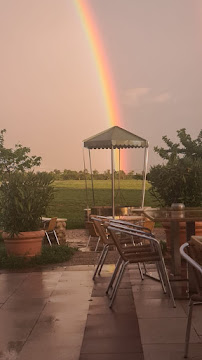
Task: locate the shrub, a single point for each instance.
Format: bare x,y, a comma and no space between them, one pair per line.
179,180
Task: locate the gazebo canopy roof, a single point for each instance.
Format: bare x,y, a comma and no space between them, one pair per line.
117,138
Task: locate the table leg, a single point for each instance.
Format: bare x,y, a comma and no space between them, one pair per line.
175,254
190,229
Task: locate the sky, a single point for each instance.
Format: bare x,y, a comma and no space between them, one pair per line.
51,97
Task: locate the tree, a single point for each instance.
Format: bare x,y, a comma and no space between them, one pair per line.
180,178
130,174
16,159
107,174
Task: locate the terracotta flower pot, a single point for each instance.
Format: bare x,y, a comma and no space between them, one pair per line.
24,244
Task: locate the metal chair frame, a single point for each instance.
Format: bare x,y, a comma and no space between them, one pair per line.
131,225
138,254
144,230
51,230
141,232
195,299
101,224
106,243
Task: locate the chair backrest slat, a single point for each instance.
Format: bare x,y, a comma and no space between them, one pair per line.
100,230
129,251
52,224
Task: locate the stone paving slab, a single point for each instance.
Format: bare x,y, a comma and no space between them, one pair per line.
43,314
162,327
111,333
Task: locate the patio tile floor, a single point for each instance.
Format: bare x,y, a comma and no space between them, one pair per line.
61,314
162,327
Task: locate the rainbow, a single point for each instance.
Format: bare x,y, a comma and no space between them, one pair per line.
104,73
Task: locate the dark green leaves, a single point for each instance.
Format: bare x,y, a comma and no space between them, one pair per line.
23,200
180,179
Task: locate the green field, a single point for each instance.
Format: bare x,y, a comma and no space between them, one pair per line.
70,198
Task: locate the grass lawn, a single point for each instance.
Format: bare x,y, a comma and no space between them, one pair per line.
70,198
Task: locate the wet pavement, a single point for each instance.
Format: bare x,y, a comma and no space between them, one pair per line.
43,314
61,314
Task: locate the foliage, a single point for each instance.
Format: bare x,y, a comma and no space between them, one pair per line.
23,200
180,179
16,159
49,255
81,175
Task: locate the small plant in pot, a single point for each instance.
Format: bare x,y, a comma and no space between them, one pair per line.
179,179
24,197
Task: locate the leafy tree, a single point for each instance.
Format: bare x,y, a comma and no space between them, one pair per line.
180,178
138,176
107,175
120,174
16,159
130,174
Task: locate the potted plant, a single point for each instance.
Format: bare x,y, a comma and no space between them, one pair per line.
23,200
179,178
24,197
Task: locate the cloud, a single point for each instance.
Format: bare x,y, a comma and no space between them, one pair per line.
141,96
161,98
136,96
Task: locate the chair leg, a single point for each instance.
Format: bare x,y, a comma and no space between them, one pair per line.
48,238
188,328
100,261
114,275
118,283
88,242
97,243
56,238
140,271
161,277
103,260
145,269
167,282
117,279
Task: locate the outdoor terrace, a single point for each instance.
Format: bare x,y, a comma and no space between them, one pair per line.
60,313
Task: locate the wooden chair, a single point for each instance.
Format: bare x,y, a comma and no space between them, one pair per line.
191,253
50,232
92,233
101,223
106,241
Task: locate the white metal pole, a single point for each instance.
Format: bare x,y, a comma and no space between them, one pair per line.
119,186
112,169
91,177
86,186
144,175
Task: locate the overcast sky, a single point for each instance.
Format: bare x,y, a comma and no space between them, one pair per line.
50,93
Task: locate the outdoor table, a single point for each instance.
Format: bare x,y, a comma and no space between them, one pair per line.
189,216
197,242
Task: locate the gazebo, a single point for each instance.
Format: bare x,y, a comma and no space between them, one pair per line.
117,138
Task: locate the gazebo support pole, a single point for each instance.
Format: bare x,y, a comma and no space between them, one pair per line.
119,187
112,169
144,174
91,178
86,187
